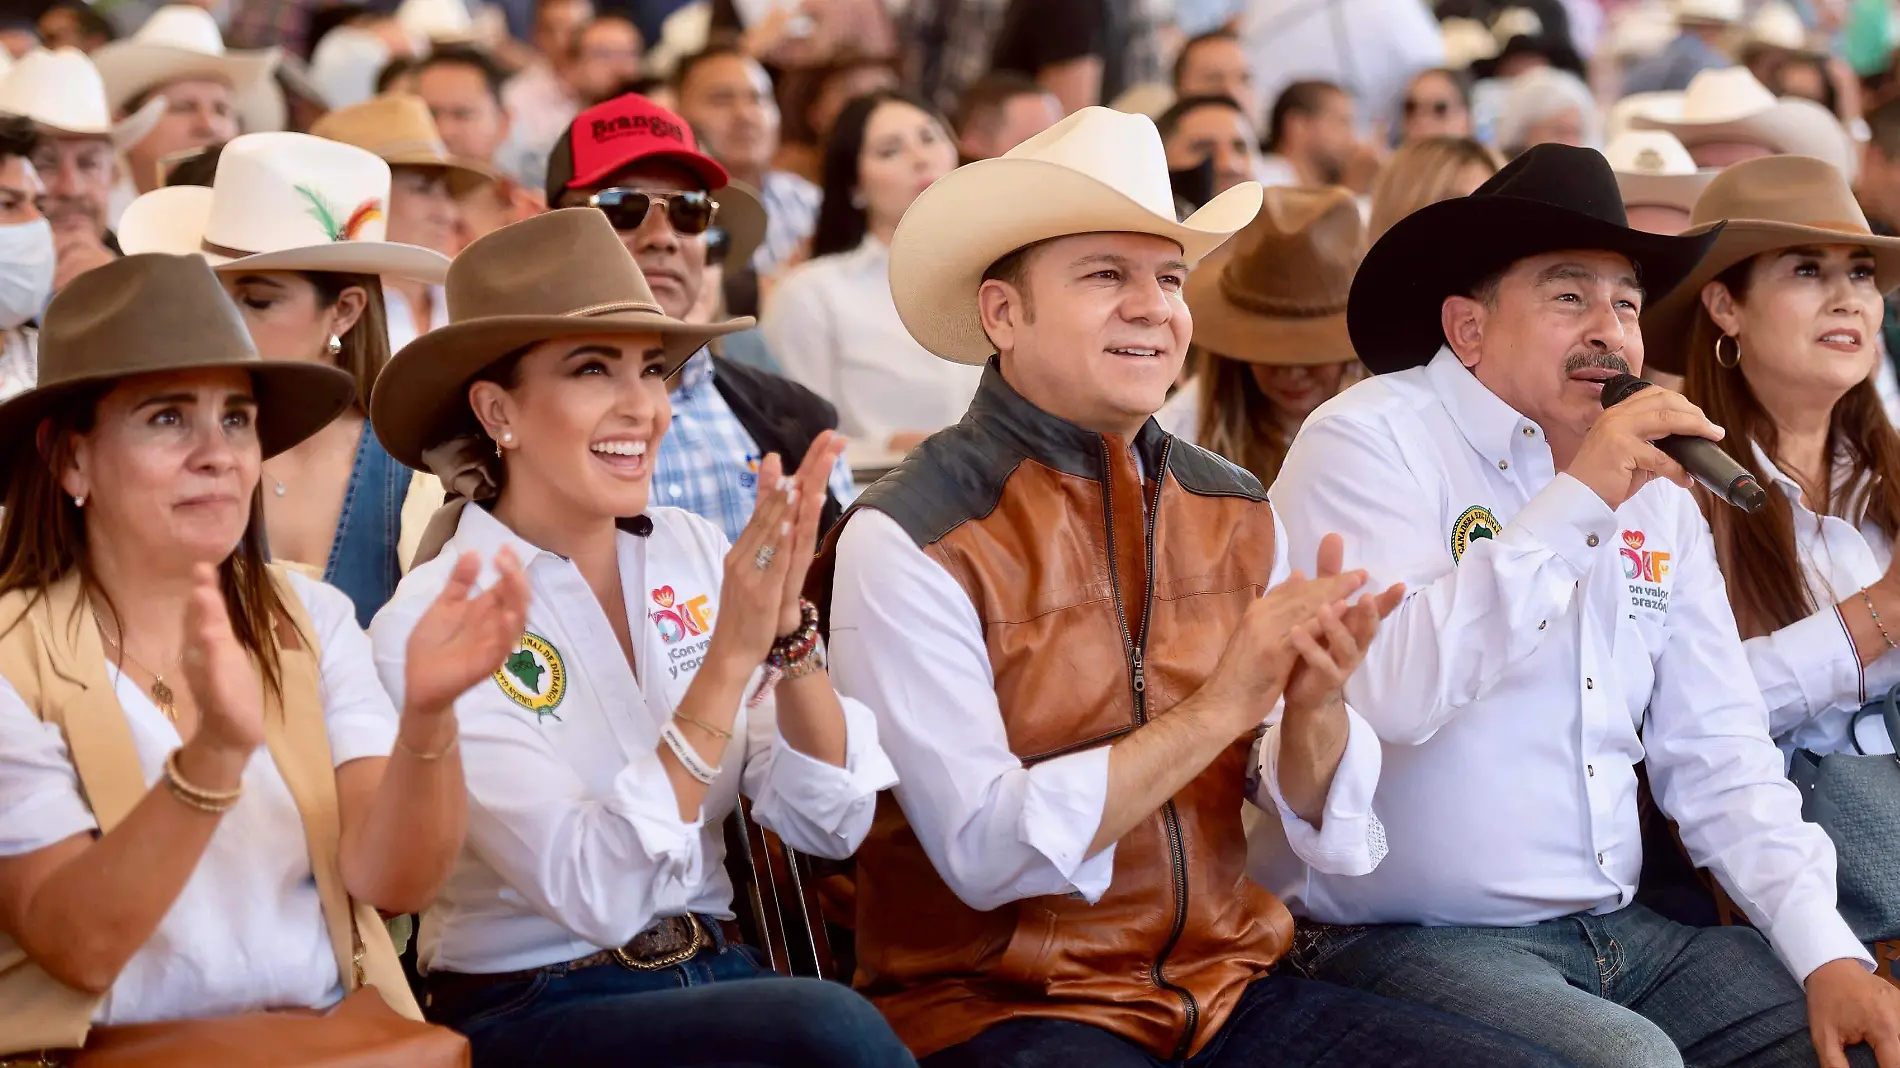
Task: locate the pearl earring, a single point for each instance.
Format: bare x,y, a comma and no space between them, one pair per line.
79,500
334,346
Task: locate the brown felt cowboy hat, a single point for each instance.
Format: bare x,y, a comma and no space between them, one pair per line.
150,313
1770,203
399,128
1277,292
562,274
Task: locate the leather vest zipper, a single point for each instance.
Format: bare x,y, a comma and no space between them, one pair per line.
1135,647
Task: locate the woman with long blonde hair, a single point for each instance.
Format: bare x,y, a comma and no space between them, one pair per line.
1427,171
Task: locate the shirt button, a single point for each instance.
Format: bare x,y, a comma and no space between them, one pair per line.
1599,858
674,491
1530,432
1542,623
1589,684
1504,465
1592,769
1591,541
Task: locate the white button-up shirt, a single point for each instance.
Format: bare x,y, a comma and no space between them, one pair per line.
1809,671
834,328
906,640
574,839
1540,632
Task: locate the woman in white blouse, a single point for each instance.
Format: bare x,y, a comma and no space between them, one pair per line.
1778,333
831,322
202,785
587,923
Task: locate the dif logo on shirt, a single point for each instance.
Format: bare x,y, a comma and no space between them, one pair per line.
677,621
1640,565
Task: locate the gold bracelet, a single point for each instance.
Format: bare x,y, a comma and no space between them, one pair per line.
428,757
177,777
213,801
724,736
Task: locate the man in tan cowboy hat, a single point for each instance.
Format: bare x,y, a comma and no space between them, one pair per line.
60,90
211,95
1565,625
1057,612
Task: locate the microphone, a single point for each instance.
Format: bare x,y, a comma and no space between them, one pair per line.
1702,458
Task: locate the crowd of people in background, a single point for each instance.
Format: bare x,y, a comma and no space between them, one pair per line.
529,447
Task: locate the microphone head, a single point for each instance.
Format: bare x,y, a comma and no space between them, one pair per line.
1621,388
1746,493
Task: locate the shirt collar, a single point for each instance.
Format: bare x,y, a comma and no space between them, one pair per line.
479,531
696,372
1487,423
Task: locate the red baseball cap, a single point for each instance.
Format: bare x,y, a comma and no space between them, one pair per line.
628,129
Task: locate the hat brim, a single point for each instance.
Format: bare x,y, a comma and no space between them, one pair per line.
1251,337
1444,249
1666,322
1790,128
1665,190
705,168
294,400
979,213
463,177
421,399
742,217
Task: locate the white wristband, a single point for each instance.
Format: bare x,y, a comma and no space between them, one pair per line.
694,764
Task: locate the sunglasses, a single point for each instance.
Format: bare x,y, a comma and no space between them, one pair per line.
1438,109
688,213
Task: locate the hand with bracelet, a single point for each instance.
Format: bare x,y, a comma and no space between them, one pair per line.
1872,614
761,617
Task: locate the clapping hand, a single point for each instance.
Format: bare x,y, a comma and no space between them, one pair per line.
224,682
1333,643
765,568
465,635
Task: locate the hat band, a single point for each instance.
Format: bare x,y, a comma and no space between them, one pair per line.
590,311
1277,308
223,250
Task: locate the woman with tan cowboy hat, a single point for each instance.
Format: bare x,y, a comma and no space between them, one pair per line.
425,184
662,673
204,793
1270,317
294,225
1777,332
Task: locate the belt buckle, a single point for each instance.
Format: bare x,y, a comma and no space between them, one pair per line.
32,1059
700,941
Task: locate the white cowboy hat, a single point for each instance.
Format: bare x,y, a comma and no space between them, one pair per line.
1652,168
1664,106
1640,31
181,42
1098,170
438,21
282,202
1721,12
1777,25
61,91
1466,42
1729,104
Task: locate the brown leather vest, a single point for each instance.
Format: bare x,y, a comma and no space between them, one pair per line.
1105,601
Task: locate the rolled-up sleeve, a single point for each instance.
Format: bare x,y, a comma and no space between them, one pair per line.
603,865
816,807
906,641
40,800
1350,840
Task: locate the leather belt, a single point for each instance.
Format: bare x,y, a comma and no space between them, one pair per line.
671,941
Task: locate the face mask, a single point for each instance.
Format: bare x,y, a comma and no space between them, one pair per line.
27,261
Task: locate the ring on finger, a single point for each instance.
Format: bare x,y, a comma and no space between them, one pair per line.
763,561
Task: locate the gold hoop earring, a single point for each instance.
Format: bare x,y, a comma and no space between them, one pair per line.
1728,364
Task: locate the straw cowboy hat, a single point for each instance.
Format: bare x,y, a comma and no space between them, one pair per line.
1550,199
143,314
181,42
1729,104
62,92
399,128
1277,292
282,202
562,274
1097,170
1770,203
1652,168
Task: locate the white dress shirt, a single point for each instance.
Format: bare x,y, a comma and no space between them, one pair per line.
1181,416
247,932
574,837
1511,684
1372,48
906,640
835,331
1809,671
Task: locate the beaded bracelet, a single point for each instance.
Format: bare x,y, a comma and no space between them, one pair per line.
1878,625
793,648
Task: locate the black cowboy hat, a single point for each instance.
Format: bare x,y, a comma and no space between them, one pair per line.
1551,198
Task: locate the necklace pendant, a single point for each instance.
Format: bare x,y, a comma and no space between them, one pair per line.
162,694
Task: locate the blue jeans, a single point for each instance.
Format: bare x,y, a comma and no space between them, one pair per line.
720,1008
1626,990
1282,1021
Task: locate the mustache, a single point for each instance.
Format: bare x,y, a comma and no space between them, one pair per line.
1579,361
